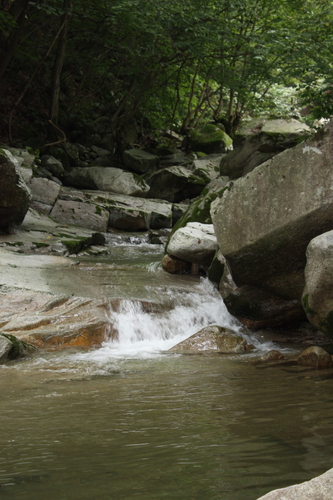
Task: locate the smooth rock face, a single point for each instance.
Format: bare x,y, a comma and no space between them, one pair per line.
318,292
86,215
43,190
195,242
45,320
315,357
14,194
212,339
264,221
319,488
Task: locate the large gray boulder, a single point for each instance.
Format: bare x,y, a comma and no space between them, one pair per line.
14,194
264,221
260,141
318,292
110,179
319,488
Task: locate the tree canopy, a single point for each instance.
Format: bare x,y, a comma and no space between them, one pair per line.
65,64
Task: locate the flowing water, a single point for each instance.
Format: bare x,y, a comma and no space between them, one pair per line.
133,421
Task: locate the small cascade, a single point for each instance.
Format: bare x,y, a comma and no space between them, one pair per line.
146,334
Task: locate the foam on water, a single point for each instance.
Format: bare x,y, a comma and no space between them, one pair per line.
150,334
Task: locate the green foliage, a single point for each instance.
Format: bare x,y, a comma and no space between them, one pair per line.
170,64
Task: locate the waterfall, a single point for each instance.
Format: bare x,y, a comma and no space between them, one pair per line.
143,333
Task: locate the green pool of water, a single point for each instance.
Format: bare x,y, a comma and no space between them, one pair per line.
76,427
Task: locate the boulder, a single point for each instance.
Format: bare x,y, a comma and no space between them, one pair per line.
195,242
212,339
257,308
53,165
43,190
139,161
208,167
175,184
14,194
318,291
319,488
110,179
125,212
13,348
172,265
176,158
44,320
259,142
315,357
88,215
264,221
210,139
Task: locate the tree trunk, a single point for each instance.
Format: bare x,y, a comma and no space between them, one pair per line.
57,70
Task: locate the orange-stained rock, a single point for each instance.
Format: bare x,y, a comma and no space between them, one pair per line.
45,320
315,357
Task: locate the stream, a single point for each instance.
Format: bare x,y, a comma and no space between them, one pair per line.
131,420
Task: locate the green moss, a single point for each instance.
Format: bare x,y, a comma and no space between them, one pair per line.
39,244
80,244
98,210
210,133
306,307
140,182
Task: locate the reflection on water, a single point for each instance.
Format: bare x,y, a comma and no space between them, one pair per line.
180,427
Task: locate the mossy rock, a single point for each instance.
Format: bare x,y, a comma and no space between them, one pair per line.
18,349
210,139
199,209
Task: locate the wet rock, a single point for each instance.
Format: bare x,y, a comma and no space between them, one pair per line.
173,265
195,242
317,296
56,321
319,488
14,194
257,308
212,339
12,348
272,355
315,357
